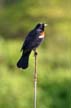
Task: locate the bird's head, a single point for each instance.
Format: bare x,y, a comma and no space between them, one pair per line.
40,26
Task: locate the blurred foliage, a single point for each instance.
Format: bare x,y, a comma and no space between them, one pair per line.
17,17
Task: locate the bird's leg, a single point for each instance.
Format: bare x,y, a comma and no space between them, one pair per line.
35,52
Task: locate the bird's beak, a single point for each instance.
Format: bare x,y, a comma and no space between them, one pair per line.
45,25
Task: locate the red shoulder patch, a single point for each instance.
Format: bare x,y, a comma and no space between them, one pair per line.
42,33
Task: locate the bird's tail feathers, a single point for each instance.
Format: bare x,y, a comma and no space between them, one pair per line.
23,61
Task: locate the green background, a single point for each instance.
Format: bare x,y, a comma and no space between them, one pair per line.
17,18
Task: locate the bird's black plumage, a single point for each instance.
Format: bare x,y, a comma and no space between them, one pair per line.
32,41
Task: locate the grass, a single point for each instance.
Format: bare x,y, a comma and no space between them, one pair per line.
54,77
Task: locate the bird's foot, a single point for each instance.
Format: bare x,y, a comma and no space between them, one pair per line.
35,53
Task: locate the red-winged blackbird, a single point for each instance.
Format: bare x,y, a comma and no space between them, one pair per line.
32,41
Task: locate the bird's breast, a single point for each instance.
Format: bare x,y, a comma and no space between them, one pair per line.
42,34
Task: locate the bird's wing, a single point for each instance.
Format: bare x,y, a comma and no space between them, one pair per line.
28,43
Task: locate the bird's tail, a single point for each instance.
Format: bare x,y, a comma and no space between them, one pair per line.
23,61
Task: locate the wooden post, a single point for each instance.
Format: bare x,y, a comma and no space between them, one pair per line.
35,80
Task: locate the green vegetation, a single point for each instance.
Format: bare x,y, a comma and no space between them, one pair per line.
54,60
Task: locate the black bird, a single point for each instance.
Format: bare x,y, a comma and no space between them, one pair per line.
32,41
